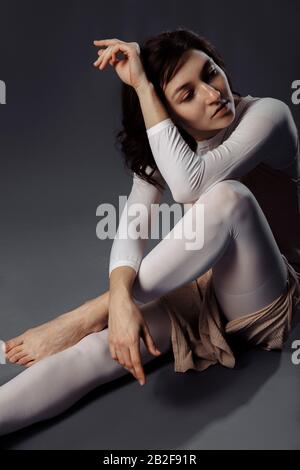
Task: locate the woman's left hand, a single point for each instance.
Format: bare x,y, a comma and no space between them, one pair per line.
130,69
126,325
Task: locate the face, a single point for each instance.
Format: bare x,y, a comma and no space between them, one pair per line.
205,89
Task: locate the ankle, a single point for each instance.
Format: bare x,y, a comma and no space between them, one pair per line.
95,313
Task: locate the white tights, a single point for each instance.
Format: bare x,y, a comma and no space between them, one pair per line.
56,382
248,269
248,273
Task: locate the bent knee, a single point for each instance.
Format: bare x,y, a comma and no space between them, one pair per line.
228,197
227,191
144,289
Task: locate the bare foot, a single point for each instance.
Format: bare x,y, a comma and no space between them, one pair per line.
58,334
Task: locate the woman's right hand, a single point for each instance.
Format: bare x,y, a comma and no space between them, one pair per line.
130,68
126,325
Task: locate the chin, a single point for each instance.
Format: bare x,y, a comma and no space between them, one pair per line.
224,121
229,116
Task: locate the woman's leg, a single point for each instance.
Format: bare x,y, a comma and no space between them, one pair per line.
248,269
56,382
61,333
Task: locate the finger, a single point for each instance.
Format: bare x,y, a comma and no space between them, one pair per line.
112,61
112,351
121,354
126,49
126,358
101,53
103,42
149,342
121,361
120,358
137,363
127,361
107,55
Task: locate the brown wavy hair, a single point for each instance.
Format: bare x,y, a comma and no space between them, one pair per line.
161,57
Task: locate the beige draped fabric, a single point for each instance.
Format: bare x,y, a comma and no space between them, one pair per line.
201,334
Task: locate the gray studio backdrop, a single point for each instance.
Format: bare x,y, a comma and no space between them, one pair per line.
58,160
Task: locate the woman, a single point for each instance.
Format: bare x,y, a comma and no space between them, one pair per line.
238,157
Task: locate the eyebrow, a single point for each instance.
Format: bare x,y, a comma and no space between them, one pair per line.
185,85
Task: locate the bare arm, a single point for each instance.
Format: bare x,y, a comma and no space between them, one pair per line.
121,280
152,108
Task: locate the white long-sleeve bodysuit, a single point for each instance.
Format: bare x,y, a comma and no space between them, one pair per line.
260,149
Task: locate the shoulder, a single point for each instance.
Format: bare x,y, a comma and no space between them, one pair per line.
270,114
271,117
270,108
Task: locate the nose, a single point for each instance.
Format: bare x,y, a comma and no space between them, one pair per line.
212,95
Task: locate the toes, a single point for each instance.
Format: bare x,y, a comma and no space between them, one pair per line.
14,342
13,352
25,360
17,356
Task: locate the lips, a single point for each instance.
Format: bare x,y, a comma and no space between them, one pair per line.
220,107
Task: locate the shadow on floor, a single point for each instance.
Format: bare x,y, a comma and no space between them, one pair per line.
182,405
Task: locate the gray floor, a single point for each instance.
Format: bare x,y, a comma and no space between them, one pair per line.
46,270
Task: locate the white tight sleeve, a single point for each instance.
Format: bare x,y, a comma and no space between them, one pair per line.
266,133
128,251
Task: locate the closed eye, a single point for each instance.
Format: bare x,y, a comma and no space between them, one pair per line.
212,72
